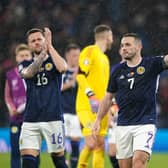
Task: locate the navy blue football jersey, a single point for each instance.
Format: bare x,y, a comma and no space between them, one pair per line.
69,95
135,90
43,93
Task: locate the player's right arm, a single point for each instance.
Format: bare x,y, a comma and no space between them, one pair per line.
33,68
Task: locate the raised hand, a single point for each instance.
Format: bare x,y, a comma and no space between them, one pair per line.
48,37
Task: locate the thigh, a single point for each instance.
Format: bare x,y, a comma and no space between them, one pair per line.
124,142
30,137
87,119
112,149
140,158
125,163
112,141
144,136
54,134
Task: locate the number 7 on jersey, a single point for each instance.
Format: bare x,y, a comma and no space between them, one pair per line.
131,82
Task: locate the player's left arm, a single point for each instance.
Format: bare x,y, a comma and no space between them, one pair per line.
166,60
59,62
104,106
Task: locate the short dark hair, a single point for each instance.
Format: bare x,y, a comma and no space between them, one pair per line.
71,46
34,30
101,28
134,35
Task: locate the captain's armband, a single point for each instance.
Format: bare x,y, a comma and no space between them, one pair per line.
89,92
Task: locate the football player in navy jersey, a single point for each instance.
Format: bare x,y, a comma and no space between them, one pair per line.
69,93
134,84
43,115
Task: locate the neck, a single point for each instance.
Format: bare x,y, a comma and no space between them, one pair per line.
36,56
101,45
134,61
73,67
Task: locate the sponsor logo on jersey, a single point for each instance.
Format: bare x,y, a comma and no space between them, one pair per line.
48,66
121,77
130,74
86,62
59,147
140,70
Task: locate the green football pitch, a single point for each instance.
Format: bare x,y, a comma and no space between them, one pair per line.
158,160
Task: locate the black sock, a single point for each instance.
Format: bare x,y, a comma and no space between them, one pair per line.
29,161
59,161
38,160
74,154
114,162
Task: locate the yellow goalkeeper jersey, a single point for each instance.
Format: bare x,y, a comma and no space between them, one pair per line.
94,74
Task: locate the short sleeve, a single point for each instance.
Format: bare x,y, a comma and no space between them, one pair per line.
112,85
85,60
157,64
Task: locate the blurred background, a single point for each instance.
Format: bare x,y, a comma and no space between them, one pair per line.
74,21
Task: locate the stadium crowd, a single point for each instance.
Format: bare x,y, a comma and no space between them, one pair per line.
74,20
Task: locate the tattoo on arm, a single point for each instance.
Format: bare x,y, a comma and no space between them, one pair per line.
33,68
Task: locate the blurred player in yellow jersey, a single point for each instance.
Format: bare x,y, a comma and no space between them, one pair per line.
93,80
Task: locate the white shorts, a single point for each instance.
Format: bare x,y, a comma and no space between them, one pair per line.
132,138
112,135
72,126
32,134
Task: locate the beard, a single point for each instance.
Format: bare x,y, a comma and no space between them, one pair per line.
37,52
129,56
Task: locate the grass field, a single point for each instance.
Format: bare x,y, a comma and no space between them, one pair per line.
158,160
